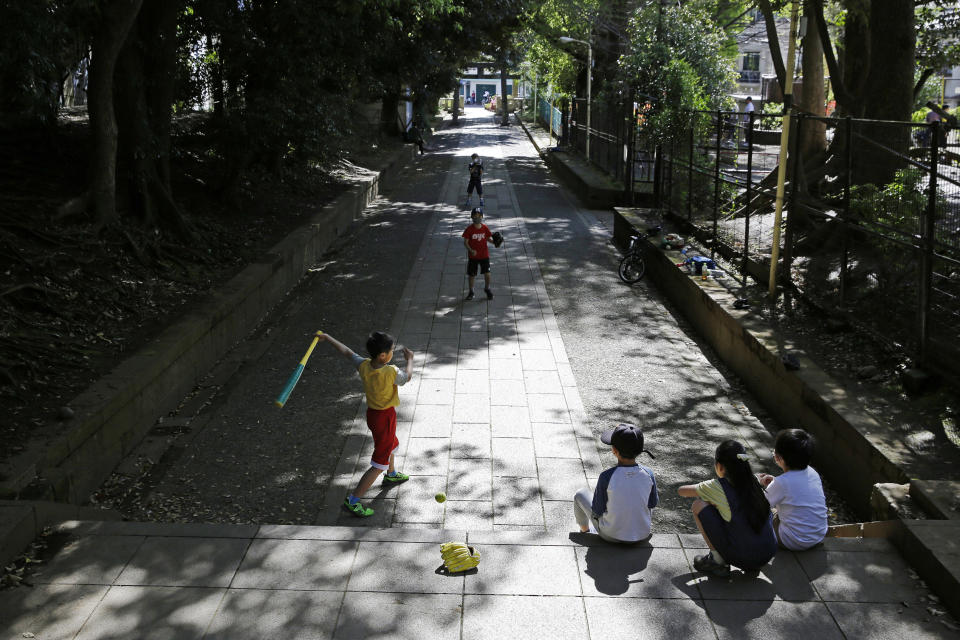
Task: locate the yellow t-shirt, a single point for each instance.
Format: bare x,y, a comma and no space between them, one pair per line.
712,491
380,385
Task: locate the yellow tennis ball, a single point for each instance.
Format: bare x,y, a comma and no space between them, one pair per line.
440,497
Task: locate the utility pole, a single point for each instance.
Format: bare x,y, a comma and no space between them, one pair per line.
784,145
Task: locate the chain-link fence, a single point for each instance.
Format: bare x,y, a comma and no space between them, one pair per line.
550,117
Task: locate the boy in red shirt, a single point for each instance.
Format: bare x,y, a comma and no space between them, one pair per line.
478,256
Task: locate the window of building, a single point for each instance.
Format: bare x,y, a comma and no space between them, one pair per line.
750,71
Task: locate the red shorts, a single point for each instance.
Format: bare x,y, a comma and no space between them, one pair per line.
383,425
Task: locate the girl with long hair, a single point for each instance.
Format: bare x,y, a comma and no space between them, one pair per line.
733,515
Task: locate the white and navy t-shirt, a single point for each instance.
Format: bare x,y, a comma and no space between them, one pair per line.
622,502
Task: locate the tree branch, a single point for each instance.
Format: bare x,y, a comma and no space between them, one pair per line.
922,80
774,40
836,76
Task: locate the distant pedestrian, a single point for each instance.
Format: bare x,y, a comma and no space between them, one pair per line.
748,108
475,239
416,135
800,521
620,509
380,381
733,515
476,175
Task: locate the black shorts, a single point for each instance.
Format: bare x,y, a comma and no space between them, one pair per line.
472,265
475,183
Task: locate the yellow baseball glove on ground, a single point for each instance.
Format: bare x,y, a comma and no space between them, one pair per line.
459,557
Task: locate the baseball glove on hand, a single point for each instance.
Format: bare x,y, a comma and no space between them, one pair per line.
497,238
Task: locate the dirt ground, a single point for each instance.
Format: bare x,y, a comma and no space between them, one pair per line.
74,302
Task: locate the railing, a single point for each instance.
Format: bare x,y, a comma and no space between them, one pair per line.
550,117
873,233
750,76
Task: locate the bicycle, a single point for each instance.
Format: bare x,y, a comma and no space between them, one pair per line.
632,266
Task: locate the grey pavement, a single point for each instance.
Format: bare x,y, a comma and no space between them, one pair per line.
502,415
130,580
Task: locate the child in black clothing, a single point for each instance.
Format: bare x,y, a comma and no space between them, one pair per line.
476,173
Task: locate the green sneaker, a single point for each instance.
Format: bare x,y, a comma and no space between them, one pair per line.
357,509
397,478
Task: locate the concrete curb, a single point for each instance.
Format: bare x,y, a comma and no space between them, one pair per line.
21,521
114,414
592,196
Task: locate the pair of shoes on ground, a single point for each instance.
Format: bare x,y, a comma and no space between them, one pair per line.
708,565
361,511
487,291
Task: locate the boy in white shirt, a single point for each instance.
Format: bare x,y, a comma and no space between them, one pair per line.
797,494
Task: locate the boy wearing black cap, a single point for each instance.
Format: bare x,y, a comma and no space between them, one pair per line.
620,509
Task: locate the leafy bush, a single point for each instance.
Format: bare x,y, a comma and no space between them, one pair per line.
772,118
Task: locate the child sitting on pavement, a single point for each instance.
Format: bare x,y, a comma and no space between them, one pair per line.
380,381
733,515
478,254
620,510
800,521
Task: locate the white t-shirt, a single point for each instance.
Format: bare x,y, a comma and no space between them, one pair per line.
801,506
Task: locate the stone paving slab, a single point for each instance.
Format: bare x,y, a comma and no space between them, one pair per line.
358,582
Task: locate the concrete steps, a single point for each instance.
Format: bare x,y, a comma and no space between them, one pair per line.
118,579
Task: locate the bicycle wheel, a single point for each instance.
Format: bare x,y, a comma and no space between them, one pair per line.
632,268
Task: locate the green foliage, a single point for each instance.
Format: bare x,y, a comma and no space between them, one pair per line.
938,35
897,205
675,59
929,92
895,211
772,118
553,66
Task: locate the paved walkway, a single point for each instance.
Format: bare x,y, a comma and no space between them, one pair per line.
126,580
493,395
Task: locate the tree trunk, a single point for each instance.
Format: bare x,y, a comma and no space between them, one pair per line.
892,47
456,104
388,112
144,98
811,99
773,38
503,87
117,18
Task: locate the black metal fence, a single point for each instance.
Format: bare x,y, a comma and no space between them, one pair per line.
617,144
871,216
871,209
